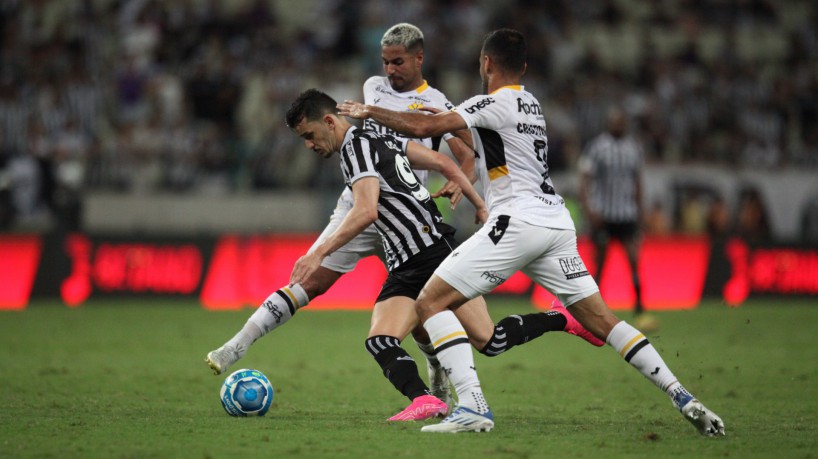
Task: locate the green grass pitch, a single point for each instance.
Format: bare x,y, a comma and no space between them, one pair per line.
127,379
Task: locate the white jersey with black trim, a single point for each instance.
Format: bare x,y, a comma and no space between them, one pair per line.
508,127
378,92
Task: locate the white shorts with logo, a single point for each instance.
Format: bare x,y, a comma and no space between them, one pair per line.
363,245
548,256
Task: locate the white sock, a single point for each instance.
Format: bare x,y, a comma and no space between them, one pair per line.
455,355
632,346
276,310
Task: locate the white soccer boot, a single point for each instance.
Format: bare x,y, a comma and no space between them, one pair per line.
463,419
221,359
705,421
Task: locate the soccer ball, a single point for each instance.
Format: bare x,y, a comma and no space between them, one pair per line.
246,393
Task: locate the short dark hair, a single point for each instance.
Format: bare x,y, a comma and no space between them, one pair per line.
507,49
311,105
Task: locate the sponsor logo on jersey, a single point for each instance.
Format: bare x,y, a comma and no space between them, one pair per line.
494,277
415,106
532,108
381,129
573,267
535,129
480,105
551,202
384,90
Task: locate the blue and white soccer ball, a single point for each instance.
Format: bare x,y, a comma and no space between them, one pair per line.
246,393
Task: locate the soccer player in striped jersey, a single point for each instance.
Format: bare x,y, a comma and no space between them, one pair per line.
611,197
388,195
528,229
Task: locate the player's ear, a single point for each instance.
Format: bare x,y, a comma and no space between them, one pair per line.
525,67
488,62
329,120
419,57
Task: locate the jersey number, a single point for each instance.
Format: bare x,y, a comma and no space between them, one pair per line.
541,150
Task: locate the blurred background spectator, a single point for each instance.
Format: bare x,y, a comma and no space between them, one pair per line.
188,96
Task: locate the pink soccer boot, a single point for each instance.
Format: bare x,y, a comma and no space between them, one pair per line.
422,408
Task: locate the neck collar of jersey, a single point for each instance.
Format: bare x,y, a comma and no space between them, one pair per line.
516,87
348,135
424,86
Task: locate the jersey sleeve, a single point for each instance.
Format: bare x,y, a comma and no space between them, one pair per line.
360,159
369,90
484,111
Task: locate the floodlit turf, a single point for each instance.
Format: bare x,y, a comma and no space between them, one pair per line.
127,379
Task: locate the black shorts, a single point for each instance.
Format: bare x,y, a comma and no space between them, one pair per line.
622,231
409,278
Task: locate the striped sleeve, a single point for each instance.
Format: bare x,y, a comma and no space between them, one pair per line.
360,159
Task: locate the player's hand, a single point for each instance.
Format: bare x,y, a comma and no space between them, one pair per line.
353,109
304,268
452,191
481,216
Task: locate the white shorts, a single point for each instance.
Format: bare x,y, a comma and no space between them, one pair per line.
363,245
504,246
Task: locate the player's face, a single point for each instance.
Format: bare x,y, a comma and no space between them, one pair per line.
317,137
402,67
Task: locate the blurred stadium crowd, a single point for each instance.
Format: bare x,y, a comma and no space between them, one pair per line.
140,96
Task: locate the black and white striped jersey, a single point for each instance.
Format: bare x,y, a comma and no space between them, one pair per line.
408,219
614,167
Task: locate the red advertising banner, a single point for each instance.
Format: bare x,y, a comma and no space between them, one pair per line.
233,271
245,270
19,258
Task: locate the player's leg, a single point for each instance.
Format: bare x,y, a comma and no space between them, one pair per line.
631,239
473,269
563,273
436,306
280,306
275,311
636,349
438,380
600,239
392,319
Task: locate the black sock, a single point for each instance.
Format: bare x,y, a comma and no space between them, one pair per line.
514,330
398,366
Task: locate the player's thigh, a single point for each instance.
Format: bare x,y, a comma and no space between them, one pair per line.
560,269
344,260
483,262
474,316
394,316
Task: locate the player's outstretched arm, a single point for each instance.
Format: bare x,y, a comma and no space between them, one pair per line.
364,212
421,157
410,124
